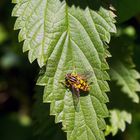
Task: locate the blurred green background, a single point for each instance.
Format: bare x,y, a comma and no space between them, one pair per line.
18,78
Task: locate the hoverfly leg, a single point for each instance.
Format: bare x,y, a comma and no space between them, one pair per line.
64,83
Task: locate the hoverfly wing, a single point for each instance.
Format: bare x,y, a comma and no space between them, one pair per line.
75,95
86,75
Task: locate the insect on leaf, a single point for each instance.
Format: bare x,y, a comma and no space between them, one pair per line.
61,34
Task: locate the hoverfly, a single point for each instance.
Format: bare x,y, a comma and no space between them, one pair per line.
77,83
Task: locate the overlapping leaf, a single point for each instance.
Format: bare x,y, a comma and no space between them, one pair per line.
118,121
126,76
128,11
122,66
63,35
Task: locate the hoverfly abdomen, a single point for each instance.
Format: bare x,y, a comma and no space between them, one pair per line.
76,81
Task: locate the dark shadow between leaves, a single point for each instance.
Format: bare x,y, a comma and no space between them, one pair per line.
120,100
43,124
92,4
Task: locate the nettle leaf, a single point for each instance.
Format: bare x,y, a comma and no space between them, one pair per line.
122,66
128,11
126,76
62,35
118,121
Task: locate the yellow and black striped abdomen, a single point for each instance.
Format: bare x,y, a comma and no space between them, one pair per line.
77,82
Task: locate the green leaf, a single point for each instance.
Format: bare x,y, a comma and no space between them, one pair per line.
117,121
126,9
63,35
122,66
126,77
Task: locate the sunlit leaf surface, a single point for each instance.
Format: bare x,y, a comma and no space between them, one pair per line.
118,121
62,35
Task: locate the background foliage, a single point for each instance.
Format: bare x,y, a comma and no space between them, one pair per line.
18,78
